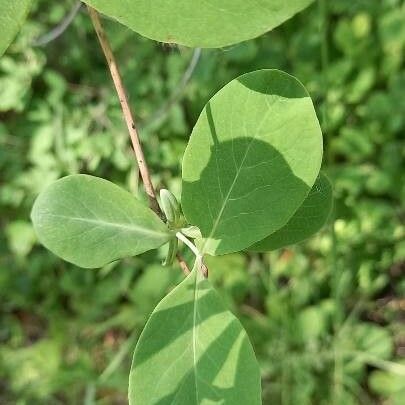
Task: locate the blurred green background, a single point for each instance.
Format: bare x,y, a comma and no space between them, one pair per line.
325,317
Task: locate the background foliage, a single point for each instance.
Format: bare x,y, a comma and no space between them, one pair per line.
324,317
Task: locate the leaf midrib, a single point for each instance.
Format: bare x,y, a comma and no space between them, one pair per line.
195,335
226,200
126,227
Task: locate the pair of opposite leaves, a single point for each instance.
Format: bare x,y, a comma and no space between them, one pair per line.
205,23
250,181
203,350
249,172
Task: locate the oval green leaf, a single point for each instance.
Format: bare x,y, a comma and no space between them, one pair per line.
252,159
309,218
194,351
90,222
12,16
206,24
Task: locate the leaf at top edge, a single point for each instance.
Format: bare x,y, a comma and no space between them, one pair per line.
193,351
309,218
12,16
253,156
90,222
205,24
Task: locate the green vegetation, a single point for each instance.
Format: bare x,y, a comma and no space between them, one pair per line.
323,316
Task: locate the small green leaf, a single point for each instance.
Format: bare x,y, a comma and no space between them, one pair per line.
207,24
171,207
252,159
308,219
90,222
12,16
194,351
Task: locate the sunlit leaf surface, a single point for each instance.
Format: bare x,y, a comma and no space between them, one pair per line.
12,15
207,23
90,221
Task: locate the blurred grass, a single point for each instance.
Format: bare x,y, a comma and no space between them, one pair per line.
325,317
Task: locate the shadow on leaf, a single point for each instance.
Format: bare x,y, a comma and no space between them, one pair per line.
192,351
245,192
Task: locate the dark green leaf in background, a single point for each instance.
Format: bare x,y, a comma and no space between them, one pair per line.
194,351
12,15
308,219
207,24
252,159
90,222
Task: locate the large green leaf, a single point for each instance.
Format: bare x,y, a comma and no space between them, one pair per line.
308,219
12,16
193,351
90,222
208,23
252,159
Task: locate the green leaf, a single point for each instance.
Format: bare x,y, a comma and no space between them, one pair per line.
20,237
207,24
252,159
90,222
390,382
308,219
194,351
32,369
12,16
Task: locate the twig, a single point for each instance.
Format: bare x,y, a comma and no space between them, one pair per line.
143,167
129,119
57,31
162,112
183,264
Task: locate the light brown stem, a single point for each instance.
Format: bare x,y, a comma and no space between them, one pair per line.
129,119
183,264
